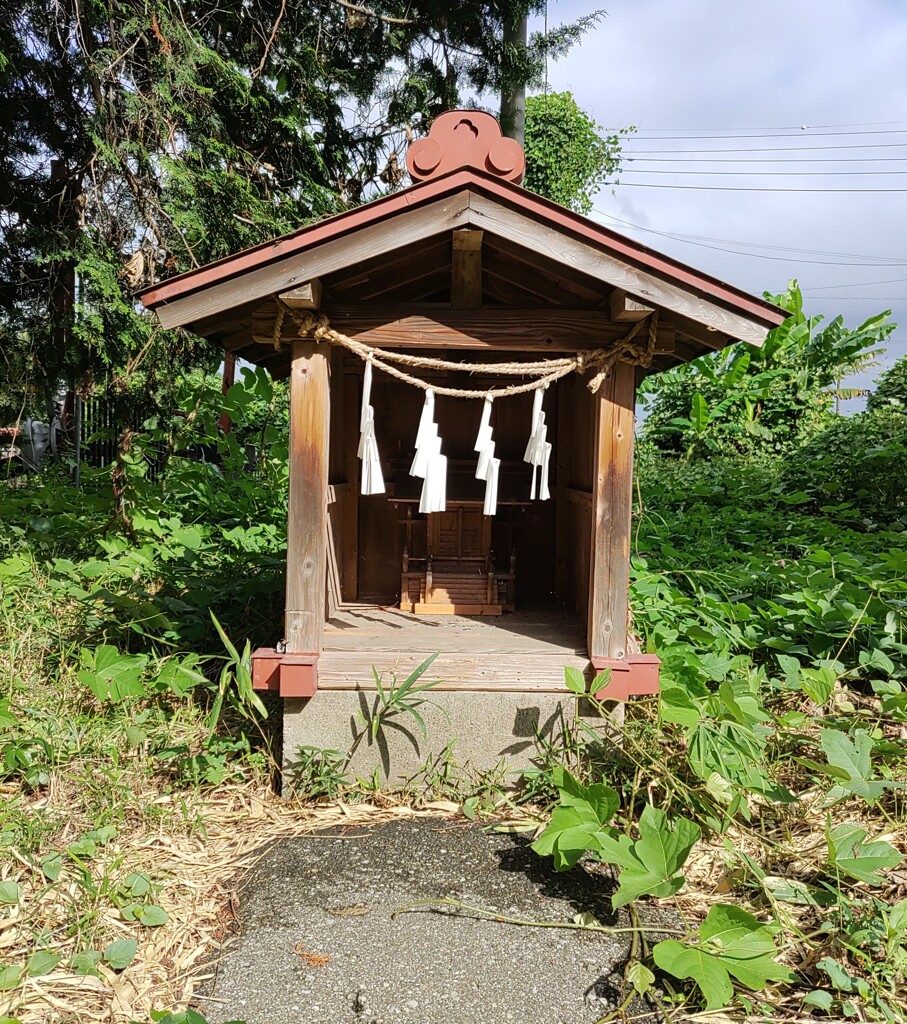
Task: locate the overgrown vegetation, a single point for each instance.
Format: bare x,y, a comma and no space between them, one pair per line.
568,158
761,794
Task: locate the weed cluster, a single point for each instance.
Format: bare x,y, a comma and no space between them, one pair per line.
763,792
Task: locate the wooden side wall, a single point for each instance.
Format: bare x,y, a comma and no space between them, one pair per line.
575,462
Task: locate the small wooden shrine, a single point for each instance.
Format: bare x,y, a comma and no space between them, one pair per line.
463,357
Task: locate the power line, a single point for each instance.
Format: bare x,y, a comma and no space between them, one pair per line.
749,188
859,284
787,174
770,149
771,135
702,241
783,128
859,298
682,159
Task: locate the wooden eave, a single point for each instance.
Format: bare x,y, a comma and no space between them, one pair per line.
392,256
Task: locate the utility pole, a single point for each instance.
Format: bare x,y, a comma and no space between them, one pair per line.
513,96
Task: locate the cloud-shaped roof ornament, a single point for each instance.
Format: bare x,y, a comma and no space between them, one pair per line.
466,138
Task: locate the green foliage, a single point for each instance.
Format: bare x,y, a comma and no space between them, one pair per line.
650,866
850,764
777,734
140,141
767,400
860,460
582,812
850,855
567,159
732,943
399,699
890,391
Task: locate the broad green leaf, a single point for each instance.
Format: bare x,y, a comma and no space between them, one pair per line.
853,761
574,679
10,893
818,683
41,963
679,707
52,865
897,918
582,812
9,977
878,660
600,681
819,998
732,943
640,977
745,947
841,979
152,916
695,963
792,890
137,882
849,853
699,413
120,954
85,961
742,703
650,866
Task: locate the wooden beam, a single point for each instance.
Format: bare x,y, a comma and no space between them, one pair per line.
304,296
466,269
318,261
706,338
547,241
552,330
624,308
609,573
308,491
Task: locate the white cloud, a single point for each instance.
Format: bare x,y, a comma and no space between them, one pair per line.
703,64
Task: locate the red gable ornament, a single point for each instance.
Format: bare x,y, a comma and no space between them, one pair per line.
466,138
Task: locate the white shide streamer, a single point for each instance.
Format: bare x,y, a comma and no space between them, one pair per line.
429,463
372,477
489,467
538,450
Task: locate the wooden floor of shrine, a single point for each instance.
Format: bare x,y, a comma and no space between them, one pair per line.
520,651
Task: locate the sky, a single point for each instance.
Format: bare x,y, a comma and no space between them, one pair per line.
678,70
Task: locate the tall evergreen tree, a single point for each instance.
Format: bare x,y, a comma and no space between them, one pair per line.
139,139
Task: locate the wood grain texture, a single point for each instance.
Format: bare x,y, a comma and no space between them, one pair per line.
520,651
625,308
466,269
501,220
609,575
304,296
369,241
308,491
552,330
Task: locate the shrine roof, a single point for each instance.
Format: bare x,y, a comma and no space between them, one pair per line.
465,184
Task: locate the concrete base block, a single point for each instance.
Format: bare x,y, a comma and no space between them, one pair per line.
468,733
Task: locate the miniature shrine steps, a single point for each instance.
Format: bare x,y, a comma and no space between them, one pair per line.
523,651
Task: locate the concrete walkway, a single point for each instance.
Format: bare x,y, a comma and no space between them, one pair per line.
319,946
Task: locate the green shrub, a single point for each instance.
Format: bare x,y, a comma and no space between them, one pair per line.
891,390
858,459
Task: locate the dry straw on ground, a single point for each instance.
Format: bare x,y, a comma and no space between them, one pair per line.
198,868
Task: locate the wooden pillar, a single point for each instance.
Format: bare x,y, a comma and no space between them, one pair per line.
307,522
612,496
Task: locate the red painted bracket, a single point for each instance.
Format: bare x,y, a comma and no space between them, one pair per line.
290,675
633,676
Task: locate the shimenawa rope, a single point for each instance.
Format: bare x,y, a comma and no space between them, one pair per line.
544,371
